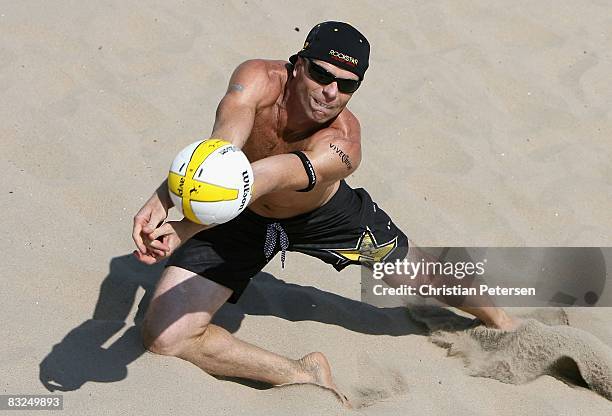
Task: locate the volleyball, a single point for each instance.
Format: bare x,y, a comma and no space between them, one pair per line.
210,181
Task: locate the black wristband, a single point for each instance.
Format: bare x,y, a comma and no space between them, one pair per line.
310,172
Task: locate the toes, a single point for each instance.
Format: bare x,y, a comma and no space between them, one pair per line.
343,399
346,402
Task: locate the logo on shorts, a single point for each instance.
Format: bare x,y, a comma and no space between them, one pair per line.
367,249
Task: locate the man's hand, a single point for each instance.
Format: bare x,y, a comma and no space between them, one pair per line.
150,216
164,240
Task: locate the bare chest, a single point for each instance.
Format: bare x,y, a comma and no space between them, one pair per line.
267,137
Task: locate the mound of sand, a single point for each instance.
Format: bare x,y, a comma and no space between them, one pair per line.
534,349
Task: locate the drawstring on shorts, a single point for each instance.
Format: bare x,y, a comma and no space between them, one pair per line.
275,231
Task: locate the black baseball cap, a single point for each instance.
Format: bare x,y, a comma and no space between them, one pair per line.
338,43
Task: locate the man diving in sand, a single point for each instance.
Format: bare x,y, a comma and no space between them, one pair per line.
291,120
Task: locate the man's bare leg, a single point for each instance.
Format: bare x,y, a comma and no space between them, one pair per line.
217,352
177,323
481,306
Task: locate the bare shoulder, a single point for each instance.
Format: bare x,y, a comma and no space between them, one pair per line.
344,129
260,77
347,125
261,69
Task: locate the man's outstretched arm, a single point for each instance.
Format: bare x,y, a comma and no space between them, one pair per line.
286,172
249,88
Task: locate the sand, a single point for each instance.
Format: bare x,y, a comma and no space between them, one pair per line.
484,124
543,344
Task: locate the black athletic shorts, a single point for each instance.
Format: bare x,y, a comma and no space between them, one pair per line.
349,229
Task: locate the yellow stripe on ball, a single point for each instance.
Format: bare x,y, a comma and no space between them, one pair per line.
190,189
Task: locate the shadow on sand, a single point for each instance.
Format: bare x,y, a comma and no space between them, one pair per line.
84,354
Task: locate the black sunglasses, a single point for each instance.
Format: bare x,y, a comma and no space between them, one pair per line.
321,75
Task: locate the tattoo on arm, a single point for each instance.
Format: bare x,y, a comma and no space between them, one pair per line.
343,156
236,87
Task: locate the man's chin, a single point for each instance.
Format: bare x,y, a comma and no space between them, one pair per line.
322,115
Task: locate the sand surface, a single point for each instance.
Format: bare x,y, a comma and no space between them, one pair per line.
484,124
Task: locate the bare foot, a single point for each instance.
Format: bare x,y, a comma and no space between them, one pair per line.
318,371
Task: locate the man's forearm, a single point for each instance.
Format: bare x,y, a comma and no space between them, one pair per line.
164,195
191,228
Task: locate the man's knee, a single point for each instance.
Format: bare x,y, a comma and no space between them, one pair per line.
151,340
421,275
181,309
168,341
